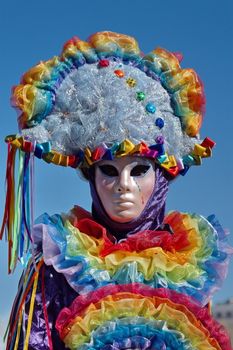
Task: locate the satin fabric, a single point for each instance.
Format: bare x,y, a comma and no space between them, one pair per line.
82,321
58,294
193,260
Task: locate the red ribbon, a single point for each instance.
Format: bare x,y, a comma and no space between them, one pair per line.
9,198
45,309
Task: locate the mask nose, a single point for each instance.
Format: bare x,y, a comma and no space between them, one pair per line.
124,182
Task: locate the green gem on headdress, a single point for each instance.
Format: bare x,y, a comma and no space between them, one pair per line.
140,96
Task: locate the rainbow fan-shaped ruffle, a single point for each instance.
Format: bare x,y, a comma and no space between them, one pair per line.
193,260
139,317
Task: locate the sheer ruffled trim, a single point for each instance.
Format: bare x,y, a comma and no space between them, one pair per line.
38,94
136,333
193,260
177,312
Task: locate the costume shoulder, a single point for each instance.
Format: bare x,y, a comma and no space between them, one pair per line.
42,293
206,256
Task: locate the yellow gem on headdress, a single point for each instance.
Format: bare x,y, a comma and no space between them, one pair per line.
131,82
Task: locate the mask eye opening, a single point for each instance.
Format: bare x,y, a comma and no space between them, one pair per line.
140,170
108,170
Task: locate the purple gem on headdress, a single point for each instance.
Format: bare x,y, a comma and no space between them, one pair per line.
159,123
159,139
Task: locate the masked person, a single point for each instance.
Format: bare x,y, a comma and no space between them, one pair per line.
124,276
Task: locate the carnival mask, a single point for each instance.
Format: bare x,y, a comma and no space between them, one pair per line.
124,186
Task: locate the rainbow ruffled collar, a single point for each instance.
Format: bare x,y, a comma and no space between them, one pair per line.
193,260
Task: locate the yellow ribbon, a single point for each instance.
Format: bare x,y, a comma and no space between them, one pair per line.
64,160
87,153
48,157
30,316
18,330
169,163
56,158
125,148
59,159
199,150
17,142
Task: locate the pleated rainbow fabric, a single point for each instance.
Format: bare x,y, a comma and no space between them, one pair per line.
193,260
139,317
121,303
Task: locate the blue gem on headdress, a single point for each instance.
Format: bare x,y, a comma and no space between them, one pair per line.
150,107
159,123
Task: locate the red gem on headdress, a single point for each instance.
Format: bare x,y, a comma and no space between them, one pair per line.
103,63
119,73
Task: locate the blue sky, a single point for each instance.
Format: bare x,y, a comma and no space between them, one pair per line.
202,30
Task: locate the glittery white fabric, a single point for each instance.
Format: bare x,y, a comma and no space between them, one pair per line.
94,106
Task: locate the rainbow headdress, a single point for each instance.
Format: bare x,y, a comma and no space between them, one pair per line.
101,99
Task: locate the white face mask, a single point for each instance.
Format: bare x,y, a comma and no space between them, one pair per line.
124,186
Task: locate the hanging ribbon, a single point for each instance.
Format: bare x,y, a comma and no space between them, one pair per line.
18,217
30,315
18,330
26,283
7,224
45,309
